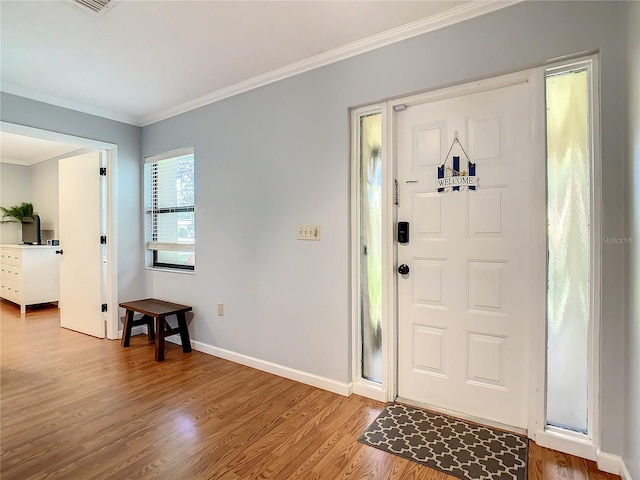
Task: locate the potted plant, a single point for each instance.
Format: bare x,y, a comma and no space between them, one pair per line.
16,213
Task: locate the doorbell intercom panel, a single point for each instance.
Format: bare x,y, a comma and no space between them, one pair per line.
403,232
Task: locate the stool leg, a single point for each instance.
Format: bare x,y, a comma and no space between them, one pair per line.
126,329
150,330
159,339
184,332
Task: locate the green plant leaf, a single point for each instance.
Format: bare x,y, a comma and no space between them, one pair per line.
15,213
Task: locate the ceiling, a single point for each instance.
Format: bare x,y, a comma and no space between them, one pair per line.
27,151
143,61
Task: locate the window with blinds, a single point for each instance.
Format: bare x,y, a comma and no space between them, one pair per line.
170,209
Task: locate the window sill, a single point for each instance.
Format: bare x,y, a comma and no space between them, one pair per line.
171,270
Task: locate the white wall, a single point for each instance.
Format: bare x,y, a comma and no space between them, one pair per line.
15,188
37,184
276,157
44,177
632,244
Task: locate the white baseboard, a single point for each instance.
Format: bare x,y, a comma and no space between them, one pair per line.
567,444
613,464
139,330
370,391
625,474
610,463
607,462
324,383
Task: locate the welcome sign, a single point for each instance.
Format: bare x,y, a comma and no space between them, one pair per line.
451,177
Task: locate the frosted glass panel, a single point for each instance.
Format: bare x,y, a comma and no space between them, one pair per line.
371,246
568,271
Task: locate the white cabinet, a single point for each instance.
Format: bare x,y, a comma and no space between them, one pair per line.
30,274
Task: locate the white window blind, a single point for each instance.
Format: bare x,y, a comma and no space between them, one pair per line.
170,208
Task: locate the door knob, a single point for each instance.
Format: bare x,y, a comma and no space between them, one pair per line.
59,252
403,269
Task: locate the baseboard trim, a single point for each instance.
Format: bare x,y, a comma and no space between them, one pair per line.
370,391
565,444
345,389
607,462
139,330
625,474
610,463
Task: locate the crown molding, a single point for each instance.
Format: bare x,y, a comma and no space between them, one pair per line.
467,11
59,102
74,150
15,162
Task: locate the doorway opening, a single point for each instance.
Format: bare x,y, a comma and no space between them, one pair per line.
109,220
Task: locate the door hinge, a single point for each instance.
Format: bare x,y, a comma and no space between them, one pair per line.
104,307
103,240
103,171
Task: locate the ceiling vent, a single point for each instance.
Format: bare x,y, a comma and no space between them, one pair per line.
98,7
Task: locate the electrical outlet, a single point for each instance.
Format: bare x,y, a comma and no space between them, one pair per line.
220,309
309,232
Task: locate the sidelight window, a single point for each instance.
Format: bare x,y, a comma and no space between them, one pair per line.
370,198
570,246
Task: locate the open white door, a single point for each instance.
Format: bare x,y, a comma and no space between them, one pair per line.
81,264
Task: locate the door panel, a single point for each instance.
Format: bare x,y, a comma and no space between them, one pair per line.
463,307
81,265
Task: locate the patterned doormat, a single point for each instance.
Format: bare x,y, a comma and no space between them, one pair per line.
455,447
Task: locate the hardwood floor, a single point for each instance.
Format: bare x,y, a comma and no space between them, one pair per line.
75,407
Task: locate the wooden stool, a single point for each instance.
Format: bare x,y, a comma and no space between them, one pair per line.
156,311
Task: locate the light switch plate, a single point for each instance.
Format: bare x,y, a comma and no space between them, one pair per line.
309,232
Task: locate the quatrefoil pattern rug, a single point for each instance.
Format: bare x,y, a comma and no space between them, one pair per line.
455,447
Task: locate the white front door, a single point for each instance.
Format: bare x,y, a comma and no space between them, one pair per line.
463,308
81,264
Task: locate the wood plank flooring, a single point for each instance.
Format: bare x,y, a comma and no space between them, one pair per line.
76,407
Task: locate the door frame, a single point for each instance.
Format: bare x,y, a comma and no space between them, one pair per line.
388,390
86,145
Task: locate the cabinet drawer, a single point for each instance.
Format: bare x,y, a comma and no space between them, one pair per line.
11,292
11,257
11,273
